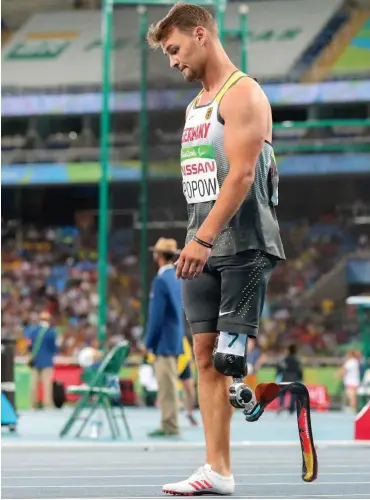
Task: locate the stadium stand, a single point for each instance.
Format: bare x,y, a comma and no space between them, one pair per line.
16,12
69,52
355,59
6,33
346,55
321,41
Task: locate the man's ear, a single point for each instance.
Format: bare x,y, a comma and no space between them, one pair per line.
200,34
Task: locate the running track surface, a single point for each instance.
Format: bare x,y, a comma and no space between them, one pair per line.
266,458
105,471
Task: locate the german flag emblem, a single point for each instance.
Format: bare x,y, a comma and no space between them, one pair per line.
209,113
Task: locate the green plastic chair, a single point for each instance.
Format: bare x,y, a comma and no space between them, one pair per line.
95,392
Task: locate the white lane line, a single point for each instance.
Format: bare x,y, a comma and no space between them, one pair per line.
45,455
245,465
174,444
347,496
352,496
89,486
188,468
252,474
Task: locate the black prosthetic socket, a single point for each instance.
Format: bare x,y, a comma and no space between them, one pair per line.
235,366
228,364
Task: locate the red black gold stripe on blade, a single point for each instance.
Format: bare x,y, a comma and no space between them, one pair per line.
309,457
265,394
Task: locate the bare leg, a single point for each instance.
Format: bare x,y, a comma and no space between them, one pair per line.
35,376
352,398
216,410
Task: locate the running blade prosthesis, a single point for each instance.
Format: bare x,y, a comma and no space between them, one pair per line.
265,394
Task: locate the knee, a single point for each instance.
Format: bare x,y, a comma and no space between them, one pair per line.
203,350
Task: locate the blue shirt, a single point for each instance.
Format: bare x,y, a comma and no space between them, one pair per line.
165,328
48,348
253,356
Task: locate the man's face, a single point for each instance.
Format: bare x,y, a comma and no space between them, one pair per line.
155,258
187,52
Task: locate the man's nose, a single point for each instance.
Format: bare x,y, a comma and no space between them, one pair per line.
174,62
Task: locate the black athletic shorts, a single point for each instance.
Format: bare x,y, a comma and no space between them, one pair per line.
230,293
186,373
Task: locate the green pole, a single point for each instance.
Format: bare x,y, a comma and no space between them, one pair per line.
103,183
143,28
243,11
220,19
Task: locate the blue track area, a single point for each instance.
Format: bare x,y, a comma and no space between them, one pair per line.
45,426
266,459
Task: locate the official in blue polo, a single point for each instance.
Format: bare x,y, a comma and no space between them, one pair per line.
43,347
164,334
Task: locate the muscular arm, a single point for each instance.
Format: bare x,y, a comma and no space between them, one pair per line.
247,117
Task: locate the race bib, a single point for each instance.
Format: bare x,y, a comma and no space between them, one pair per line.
232,343
199,174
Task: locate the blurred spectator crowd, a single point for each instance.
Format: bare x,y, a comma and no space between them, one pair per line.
318,327
55,270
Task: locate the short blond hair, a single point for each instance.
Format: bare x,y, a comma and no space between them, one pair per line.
183,16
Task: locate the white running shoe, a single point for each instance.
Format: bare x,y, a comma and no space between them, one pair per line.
204,481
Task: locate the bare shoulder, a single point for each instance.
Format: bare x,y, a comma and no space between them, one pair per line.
245,105
245,96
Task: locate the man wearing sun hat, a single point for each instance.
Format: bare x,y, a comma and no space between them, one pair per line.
164,333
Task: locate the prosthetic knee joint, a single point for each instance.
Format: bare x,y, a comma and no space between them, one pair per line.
230,359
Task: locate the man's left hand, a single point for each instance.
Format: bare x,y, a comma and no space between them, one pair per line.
192,260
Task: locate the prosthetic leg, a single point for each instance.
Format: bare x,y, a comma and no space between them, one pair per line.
230,359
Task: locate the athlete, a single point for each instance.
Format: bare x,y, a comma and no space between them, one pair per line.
230,183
